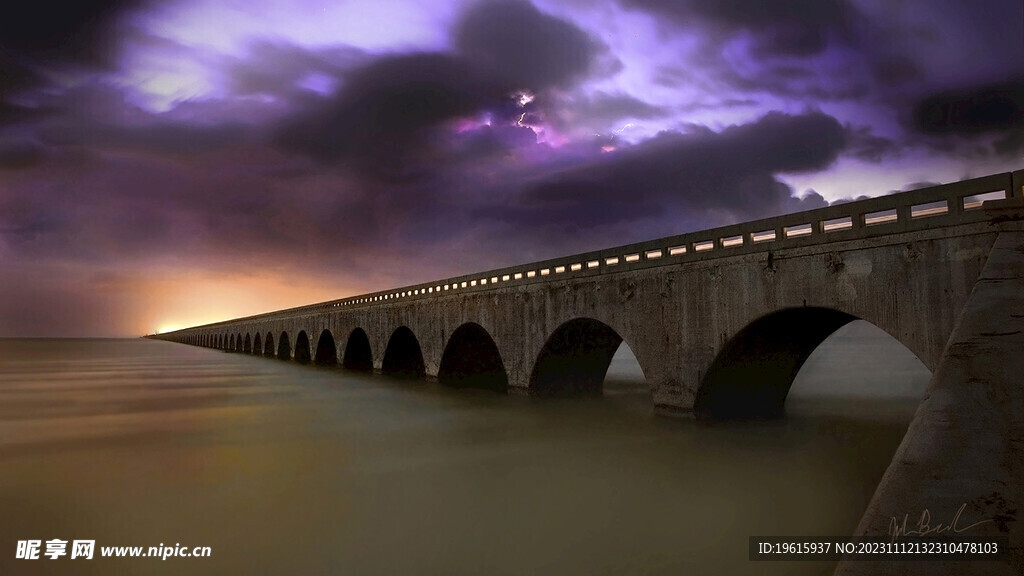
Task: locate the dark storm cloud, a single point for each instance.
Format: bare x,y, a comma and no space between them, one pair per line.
896,70
727,62
490,141
94,116
383,113
20,153
870,147
380,122
523,47
982,120
997,107
225,213
791,28
730,173
160,137
49,33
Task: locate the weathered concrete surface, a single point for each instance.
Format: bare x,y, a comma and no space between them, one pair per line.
966,442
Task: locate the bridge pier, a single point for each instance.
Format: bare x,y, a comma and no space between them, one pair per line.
965,446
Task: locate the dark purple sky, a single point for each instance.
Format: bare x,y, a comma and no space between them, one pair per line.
165,164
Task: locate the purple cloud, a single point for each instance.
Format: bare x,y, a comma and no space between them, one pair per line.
171,153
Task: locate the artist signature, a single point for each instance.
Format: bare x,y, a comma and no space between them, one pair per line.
924,525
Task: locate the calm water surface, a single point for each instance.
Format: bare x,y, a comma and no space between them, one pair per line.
285,469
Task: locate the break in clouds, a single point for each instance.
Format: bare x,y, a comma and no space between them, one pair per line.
146,141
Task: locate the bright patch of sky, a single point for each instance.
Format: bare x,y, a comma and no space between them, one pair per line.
192,40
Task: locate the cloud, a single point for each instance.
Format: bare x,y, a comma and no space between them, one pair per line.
382,116
806,51
798,28
279,69
676,179
48,34
16,154
523,47
94,116
865,145
600,111
994,107
384,168
980,120
486,142
160,137
382,120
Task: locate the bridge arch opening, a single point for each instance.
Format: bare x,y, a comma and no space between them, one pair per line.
859,369
268,345
575,359
302,348
231,343
403,357
284,348
753,374
238,342
326,351
247,344
357,352
471,360
257,344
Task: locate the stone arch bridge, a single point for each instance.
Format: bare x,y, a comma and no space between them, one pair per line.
721,321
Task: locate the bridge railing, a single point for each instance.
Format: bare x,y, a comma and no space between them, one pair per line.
926,208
